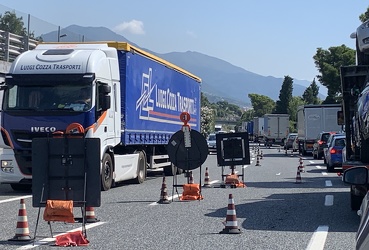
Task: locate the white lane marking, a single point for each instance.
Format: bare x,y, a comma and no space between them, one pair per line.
16,198
245,166
48,240
317,241
324,173
312,162
328,183
278,174
318,167
328,200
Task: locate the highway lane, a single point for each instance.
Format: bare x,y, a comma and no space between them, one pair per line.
273,212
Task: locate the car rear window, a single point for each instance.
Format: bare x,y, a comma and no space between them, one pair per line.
212,138
340,142
325,137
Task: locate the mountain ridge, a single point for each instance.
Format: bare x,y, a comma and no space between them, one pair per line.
221,80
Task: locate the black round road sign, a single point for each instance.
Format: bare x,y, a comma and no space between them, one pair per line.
187,158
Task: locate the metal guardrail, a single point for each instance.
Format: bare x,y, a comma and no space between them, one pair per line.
12,45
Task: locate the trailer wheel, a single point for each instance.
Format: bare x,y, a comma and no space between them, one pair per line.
141,170
106,173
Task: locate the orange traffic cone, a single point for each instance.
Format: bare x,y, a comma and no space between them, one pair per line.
231,226
257,161
22,230
90,215
207,179
298,176
164,195
302,168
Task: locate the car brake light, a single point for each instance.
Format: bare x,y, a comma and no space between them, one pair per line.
320,142
333,151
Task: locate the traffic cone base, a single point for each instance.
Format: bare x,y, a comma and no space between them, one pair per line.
90,215
163,194
257,161
207,179
298,176
231,226
22,230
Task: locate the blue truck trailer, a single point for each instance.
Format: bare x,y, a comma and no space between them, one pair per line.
129,99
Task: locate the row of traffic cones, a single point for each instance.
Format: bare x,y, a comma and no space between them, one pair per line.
22,230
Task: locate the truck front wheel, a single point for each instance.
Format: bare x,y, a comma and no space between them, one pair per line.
141,168
106,173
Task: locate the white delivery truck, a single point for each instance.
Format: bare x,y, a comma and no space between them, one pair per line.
258,128
313,119
276,128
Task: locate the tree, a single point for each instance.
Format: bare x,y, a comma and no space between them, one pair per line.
261,104
310,95
365,16
207,116
207,121
328,63
13,24
285,95
295,102
10,22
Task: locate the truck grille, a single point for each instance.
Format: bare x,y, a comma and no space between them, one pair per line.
23,155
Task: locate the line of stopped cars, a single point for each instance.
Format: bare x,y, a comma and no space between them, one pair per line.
330,146
359,176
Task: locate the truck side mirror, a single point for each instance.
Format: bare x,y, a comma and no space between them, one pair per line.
104,89
104,98
356,176
105,102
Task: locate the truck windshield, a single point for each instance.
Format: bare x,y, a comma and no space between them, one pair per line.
48,97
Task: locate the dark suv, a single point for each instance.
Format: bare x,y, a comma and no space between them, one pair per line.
320,143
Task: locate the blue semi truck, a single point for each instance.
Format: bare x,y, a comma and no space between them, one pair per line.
129,99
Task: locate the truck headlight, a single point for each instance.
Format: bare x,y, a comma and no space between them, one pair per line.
7,166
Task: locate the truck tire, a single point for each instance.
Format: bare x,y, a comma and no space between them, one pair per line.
21,187
170,170
141,168
106,172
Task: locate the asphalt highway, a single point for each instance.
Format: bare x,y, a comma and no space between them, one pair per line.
276,210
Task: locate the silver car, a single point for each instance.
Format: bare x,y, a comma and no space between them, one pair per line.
212,143
362,43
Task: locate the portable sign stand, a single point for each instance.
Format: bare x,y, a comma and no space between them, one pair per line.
232,150
187,150
66,168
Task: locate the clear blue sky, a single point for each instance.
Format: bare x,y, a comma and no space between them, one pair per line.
275,38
